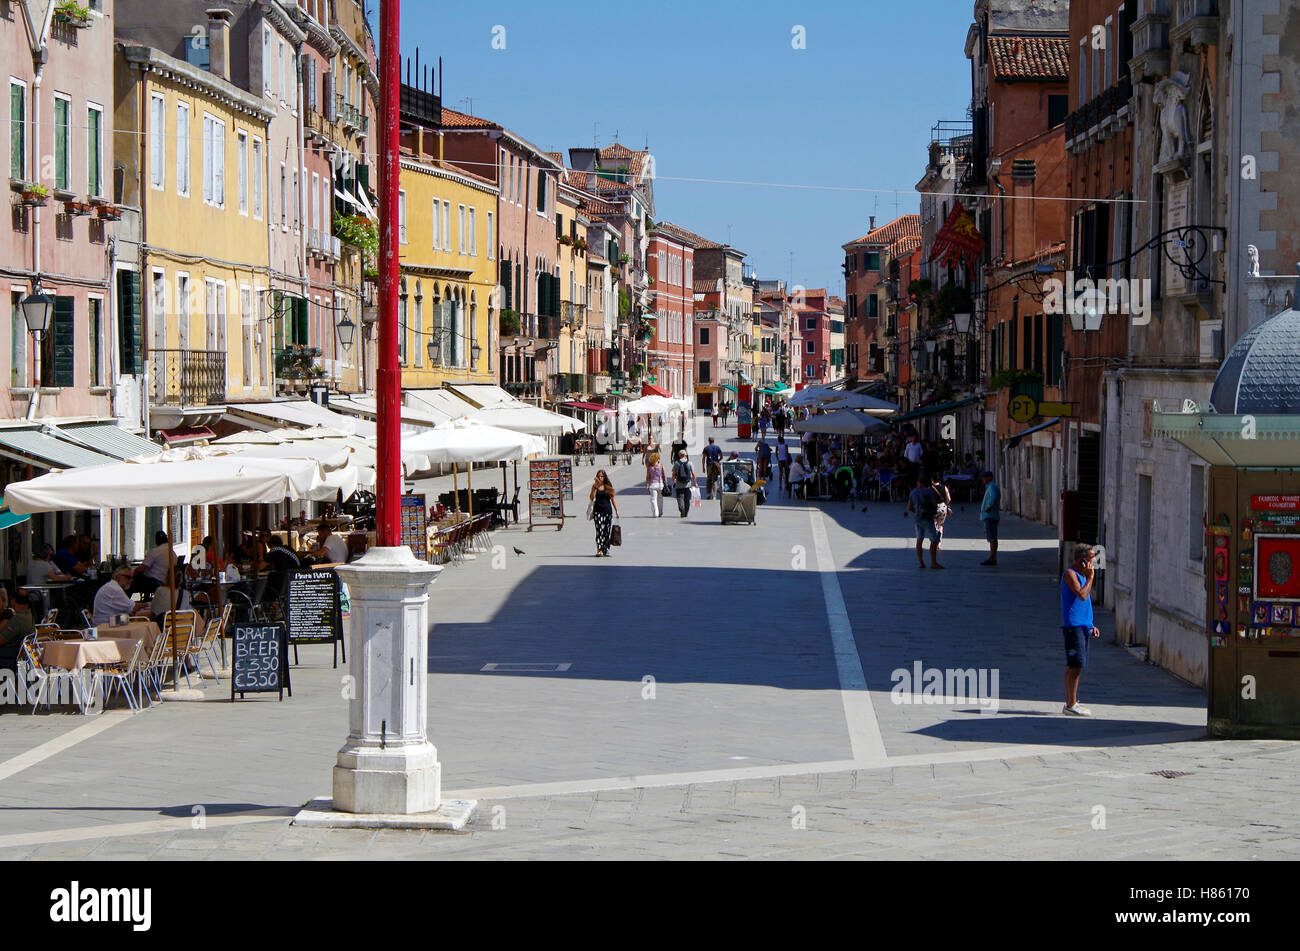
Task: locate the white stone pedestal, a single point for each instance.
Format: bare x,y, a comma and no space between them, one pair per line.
388,767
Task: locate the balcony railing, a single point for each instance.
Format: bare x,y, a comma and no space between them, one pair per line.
186,378
1151,43
573,315
569,383
1195,22
1092,115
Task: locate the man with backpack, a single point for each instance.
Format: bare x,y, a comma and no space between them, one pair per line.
711,461
683,481
924,504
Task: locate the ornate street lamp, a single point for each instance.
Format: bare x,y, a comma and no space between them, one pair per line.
347,331
38,309
961,323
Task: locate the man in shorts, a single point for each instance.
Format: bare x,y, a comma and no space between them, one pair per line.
1077,624
711,463
924,504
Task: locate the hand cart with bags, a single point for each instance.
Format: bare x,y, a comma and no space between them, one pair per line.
738,506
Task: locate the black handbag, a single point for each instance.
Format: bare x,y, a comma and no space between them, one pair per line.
616,535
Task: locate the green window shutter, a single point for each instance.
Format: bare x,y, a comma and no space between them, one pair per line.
17,131
130,339
1012,353
507,302
63,343
61,143
518,289
300,320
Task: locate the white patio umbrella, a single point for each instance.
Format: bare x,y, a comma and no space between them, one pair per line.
843,422
868,404
652,406
816,396
467,441
526,419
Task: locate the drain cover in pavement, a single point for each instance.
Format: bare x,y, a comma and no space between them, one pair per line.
525,668
1168,773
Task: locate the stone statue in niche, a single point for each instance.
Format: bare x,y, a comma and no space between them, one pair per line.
1252,261
1175,128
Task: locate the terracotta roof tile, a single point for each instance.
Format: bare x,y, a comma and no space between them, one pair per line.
1041,58
905,245
698,240
451,119
887,234
675,233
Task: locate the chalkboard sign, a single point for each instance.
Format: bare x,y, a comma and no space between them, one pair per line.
415,525
314,606
259,660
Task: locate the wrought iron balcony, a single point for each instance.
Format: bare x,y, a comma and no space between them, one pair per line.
573,315
1093,120
188,378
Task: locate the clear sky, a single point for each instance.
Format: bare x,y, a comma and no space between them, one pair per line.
718,91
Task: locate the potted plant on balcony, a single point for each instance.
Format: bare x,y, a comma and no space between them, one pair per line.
77,208
624,258
636,372
564,239
580,244
35,194
509,323
110,212
357,231
72,13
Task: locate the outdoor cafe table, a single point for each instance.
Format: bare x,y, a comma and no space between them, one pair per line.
140,630
74,655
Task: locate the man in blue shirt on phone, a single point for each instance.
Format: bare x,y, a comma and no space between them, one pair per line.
1077,624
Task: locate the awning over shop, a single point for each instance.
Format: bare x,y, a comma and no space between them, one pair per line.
1013,441
414,419
184,437
936,409
8,519
728,386
590,408
482,394
107,438
1243,442
649,389
301,413
441,402
47,451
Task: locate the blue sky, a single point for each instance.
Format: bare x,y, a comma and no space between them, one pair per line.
718,91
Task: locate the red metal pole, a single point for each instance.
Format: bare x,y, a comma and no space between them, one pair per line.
388,379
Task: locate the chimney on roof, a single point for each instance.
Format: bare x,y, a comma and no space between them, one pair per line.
219,42
873,224
582,160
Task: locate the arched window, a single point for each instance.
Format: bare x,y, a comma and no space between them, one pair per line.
401,322
473,328
417,329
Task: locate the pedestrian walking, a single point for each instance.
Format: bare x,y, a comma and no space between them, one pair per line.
779,420
991,516
711,463
1077,624
603,512
654,480
684,479
764,453
715,416
924,504
782,462
945,504
764,420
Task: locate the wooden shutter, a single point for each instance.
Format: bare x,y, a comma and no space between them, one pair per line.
130,338
330,112
506,303
300,320
277,308
62,343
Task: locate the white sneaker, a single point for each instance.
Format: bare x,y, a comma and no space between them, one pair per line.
1076,711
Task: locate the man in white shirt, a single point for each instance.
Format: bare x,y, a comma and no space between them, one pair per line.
162,601
153,571
112,600
330,549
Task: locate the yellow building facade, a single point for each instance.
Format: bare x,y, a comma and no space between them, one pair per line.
194,153
447,304
571,258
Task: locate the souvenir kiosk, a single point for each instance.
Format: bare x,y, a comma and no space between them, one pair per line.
1250,435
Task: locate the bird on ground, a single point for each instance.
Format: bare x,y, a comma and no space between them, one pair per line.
520,552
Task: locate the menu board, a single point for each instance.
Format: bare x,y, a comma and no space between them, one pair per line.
415,525
259,660
550,482
313,605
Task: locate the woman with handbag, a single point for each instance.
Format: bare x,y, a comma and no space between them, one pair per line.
603,511
654,480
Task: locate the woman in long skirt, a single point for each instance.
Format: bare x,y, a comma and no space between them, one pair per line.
603,511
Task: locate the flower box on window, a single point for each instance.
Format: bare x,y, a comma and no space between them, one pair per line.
78,208
110,212
72,14
36,195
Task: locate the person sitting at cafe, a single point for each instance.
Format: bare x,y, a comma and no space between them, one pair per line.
162,603
112,600
330,549
798,477
66,560
158,562
16,624
42,569
279,561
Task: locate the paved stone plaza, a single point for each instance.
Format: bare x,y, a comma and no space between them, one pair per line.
727,694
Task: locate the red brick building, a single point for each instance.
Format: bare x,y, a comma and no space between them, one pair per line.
670,261
864,359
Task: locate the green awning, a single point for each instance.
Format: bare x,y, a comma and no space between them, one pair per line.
728,386
935,409
8,519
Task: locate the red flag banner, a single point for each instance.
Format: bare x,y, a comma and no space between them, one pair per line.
958,236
